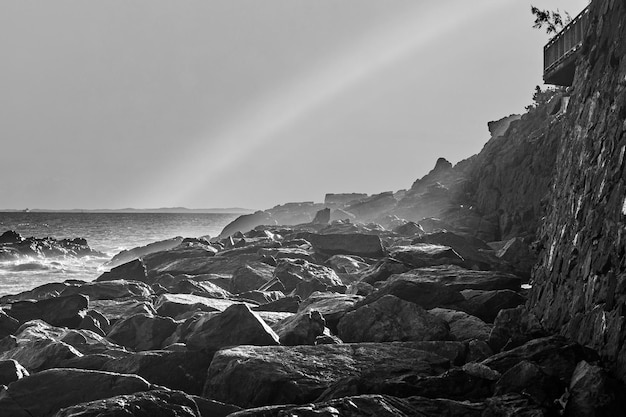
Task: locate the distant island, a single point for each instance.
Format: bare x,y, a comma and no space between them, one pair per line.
234,210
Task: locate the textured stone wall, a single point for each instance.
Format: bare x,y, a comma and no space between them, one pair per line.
579,286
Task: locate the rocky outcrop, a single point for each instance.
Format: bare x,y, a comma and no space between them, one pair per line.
14,246
578,287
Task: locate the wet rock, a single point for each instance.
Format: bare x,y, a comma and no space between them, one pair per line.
179,370
109,290
251,376
302,278
10,236
487,304
11,370
250,277
462,325
59,311
300,329
157,403
44,393
142,331
237,325
357,244
388,319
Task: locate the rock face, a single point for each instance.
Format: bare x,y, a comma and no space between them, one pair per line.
579,284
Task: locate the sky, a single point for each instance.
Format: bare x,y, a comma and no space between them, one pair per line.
248,103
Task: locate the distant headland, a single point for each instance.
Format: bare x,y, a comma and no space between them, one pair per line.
235,210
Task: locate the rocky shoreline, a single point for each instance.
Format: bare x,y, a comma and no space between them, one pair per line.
325,318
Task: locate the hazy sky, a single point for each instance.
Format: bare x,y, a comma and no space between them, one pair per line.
126,103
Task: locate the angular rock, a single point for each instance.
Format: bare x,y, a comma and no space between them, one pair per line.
49,290
466,279
514,327
8,325
389,319
250,376
302,278
423,255
530,380
487,304
408,229
11,370
591,393
130,271
462,325
44,393
142,332
114,310
59,311
237,325
109,290
157,403
140,251
322,216
175,305
300,329
182,370
332,306
250,277
260,297
287,304
368,246
344,264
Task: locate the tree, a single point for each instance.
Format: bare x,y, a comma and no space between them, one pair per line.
552,20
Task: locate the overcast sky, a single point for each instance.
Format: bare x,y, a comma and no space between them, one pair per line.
250,103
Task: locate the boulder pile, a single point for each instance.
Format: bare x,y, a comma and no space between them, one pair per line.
318,319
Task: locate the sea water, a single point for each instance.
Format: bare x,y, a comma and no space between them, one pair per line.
109,233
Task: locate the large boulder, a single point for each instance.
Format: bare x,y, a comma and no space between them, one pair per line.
176,305
140,251
487,304
109,290
58,311
142,331
422,255
134,270
237,325
157,403
8,325
302,278
462,325
181,370
114,310
250,376
369,246
300,329
246,222
465,279
389,319
44,393
332,306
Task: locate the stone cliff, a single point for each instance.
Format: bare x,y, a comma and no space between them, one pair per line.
580,280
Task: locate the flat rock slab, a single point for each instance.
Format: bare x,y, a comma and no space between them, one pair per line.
44,393
464,279
173,305
115,310
109,290
250,376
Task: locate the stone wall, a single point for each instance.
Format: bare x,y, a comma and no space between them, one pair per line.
579,286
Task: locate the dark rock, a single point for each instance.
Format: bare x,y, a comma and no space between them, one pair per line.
179,370
260,297
390,319
114,310
518,254
237,325
591,393
286,304
156,403
487,304
44,393
178,305
246,222
408,229
10,236
142,331
300,329
8,325
109,290
478,350
530,380
462,325
555,355
302,278
49,290
332,306
11,370
250,277
382,270
357,244
130,271
251,376
58,311
466,279
514,327
138,252
90,323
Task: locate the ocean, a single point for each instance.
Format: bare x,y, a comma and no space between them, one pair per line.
109,233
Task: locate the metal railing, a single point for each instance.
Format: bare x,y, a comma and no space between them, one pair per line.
566,42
